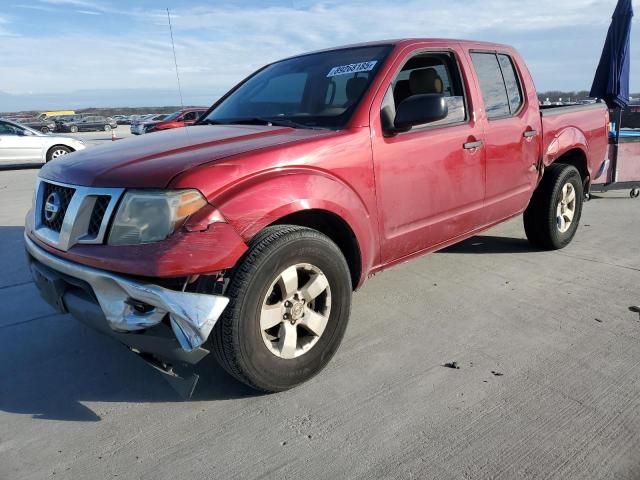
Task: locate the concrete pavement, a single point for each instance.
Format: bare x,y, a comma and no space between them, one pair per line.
548,384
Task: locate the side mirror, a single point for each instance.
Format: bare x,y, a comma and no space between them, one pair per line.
419,109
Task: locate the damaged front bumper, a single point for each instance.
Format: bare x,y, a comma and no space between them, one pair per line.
127,305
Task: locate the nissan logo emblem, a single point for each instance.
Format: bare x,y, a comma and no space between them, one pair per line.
52,207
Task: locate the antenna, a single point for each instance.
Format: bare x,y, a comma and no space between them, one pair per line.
175,60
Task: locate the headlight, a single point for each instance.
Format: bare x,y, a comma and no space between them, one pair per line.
151,216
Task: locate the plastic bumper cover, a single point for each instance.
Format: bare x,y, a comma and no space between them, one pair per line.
192,315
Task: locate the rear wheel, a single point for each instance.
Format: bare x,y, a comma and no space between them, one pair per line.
552,217
107,128
290,298
57,151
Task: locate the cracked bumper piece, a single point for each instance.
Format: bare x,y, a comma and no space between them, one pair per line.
192,315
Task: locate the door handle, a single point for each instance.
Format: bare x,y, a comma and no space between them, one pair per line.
530,133
472,145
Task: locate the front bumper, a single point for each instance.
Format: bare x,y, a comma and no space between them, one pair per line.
191,315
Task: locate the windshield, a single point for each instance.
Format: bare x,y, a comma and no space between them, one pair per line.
316,90
173,116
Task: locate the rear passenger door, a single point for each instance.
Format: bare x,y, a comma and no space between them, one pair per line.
511,134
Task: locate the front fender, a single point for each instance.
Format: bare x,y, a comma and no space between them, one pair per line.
256,202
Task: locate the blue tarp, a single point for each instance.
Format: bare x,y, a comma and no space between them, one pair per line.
611,82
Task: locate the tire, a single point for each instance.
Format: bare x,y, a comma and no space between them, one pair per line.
57,151
635,192
44,129
107,128
549,222
264,359
73,129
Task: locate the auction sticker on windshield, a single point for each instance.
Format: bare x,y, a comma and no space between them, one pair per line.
352,68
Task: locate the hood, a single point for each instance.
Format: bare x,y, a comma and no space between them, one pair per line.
151,161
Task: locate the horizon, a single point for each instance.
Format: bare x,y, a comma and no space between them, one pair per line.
117,55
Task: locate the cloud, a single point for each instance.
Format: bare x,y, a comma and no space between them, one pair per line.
88,12
4,31
218,44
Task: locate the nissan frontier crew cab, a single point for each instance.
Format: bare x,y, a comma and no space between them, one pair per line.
245,235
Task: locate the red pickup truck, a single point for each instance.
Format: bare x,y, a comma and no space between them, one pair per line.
246,234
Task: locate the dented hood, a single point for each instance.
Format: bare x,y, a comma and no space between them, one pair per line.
152,160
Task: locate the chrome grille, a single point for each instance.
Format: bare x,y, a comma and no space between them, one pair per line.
82,213
64,195
99,209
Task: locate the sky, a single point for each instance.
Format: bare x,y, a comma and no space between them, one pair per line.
82,53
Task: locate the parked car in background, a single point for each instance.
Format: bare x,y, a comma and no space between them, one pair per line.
122,119
112,122
147,124
20,144
55,113
178,119
60,120
89,123
44,125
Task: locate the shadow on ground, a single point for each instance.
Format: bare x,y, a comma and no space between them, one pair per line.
51,365
491,244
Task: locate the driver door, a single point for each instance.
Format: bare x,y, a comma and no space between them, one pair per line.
190,118
430,181
18,145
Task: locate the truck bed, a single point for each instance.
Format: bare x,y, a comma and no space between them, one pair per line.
565,127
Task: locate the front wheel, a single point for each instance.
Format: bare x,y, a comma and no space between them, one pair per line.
57,151
290,299
553,214
73,129
45,130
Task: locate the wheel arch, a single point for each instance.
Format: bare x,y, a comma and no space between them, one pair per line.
334,227
570,146
577,158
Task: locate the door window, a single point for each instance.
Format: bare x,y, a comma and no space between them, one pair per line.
511,83
190,116
428,73
499,84
7,129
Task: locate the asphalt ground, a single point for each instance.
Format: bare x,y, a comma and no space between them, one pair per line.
548,384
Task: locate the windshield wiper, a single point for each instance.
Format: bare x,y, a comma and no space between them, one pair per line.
277,122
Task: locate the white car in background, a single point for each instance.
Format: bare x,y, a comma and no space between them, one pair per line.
23,145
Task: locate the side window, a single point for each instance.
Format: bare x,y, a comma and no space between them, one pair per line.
494,93
6,129
190,116
428,73
514,92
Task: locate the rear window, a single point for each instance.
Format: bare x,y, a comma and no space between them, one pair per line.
494,93
511,83
499,84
